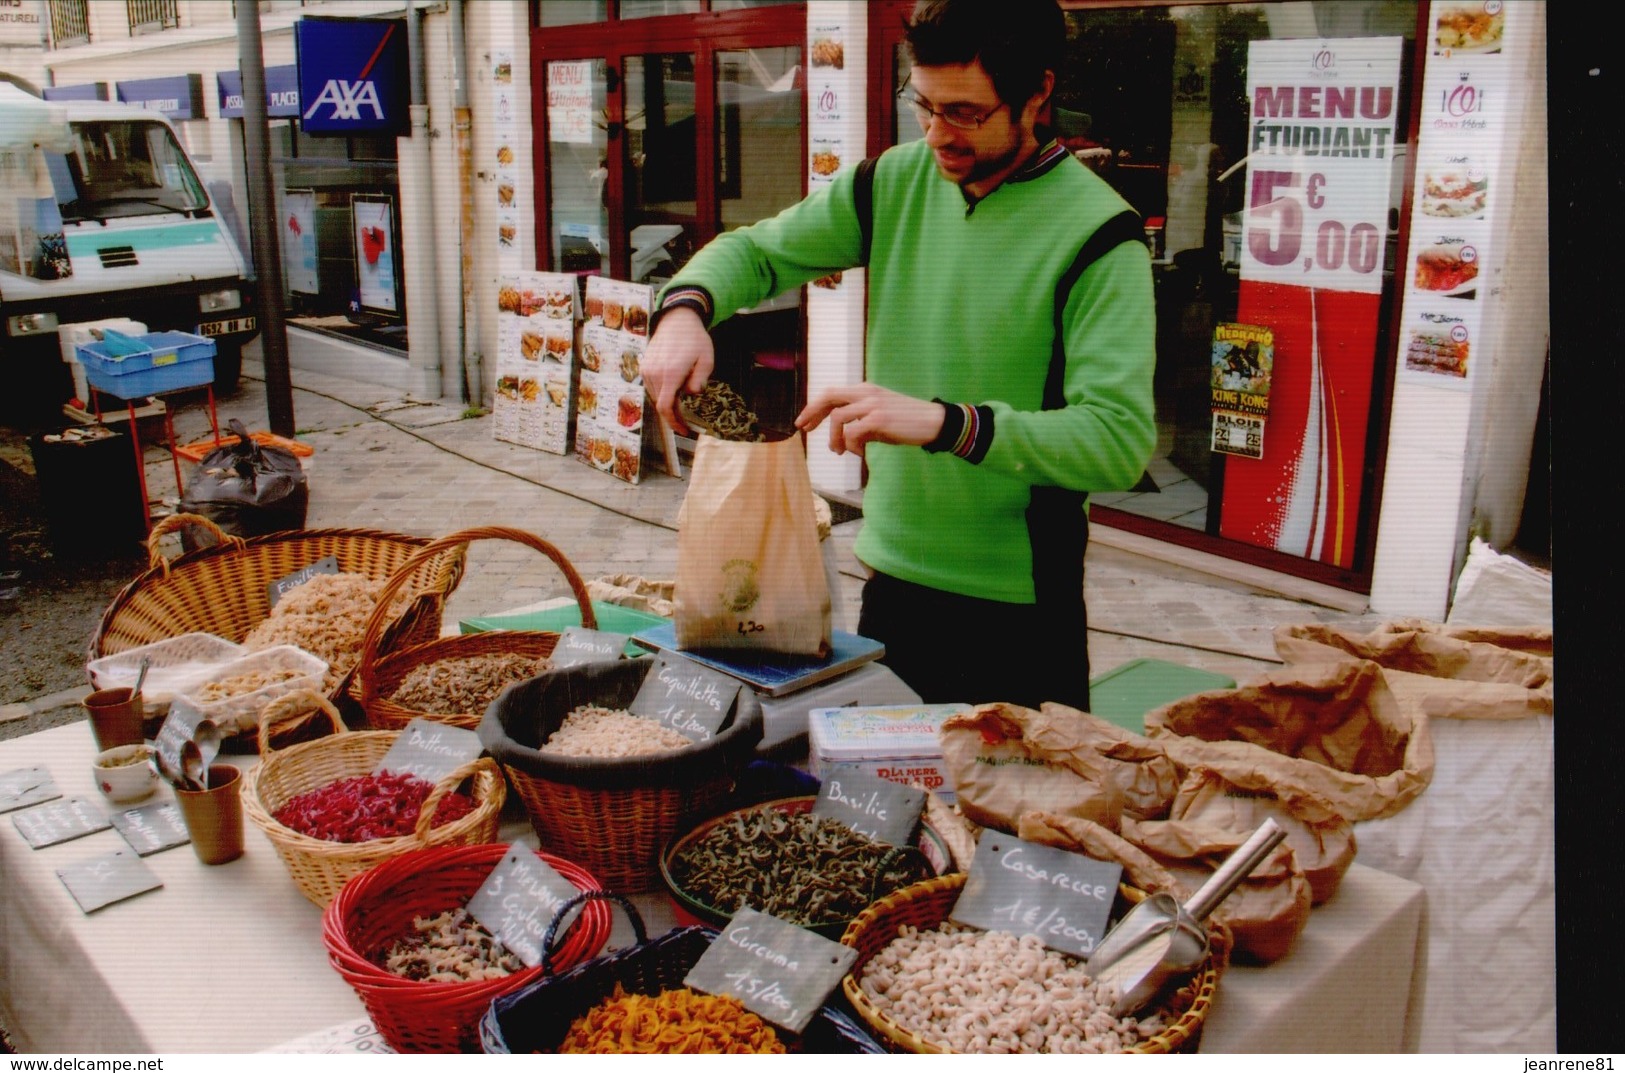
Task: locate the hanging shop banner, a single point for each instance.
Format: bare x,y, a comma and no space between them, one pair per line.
299,240
569,101
1243,357
281,92
176,97
373,223
536,362
352,75
1318,186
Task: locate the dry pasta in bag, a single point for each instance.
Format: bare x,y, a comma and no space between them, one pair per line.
749,570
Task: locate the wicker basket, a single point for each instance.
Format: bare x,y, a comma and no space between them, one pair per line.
377,678
928,903
538,1017
221,589
612,815
378,906
320,868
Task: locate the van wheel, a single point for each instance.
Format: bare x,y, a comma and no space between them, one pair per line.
228,366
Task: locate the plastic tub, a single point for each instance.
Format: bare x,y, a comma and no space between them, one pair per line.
178,663
241,711
171,361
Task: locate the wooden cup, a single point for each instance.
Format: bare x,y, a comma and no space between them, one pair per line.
115,717
214,817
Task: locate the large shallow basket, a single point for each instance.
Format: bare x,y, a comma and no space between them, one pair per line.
928,903
614,816
378,906
221,589
376,679
320,868
538,1016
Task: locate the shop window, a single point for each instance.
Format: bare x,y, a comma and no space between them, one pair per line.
647,9
571,12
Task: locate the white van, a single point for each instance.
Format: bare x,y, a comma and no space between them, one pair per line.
103,216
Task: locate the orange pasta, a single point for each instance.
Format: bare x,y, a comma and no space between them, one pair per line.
673,1022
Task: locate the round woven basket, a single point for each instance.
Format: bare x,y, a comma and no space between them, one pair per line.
377,678
222,589
614,816
320,868
378,906
927,904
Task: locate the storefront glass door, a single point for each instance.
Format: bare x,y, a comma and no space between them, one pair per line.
578,163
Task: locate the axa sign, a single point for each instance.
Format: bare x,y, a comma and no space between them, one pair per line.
352,75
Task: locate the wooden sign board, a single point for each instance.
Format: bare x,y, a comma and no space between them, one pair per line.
60,821
691,699
276,590
430,750
779,971
1065,899
518,900
152,828
26,786
874,807
111,877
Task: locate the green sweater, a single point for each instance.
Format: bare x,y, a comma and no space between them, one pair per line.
975,304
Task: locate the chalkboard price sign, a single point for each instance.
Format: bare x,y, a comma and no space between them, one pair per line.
26,786
430,750
877,808
111,877
276,590
691,699
184,723
1065,899
577,645
60,821
518,900
152,828
775,969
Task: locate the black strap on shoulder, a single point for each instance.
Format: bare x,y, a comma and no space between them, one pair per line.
863,202
1126,226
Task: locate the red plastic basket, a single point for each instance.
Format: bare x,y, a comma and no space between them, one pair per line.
377,906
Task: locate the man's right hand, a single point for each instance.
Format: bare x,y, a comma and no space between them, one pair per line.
679,358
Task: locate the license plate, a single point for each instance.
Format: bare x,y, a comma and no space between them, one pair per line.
226,327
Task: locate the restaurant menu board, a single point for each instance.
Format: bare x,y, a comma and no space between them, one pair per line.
26,786
108,878
1065,899
535,360
1456,195
610,401
59,821
776,970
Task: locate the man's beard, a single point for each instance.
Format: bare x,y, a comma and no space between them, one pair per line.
984,167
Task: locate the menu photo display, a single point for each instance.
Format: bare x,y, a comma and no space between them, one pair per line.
535,359
610,400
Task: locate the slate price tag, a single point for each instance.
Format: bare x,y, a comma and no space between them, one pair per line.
883,810
184,723
775,969
430,750
691,699
518,900
152,828
578,645
60,821
1065,899
26,786
276,590
112,877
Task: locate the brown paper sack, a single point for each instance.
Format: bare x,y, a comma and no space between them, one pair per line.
749,570
1441,672
1322,840
1006,760
1332,730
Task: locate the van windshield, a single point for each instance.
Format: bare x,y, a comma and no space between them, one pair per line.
123,168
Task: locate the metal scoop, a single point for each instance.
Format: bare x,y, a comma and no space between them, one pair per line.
1160,940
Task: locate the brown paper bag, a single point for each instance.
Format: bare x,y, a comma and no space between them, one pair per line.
1006,760
1331,729
749,570
1322,840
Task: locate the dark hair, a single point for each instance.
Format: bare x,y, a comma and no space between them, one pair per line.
1015,41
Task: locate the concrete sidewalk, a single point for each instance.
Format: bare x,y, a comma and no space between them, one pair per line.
388,462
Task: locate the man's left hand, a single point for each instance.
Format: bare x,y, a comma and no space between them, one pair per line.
861,414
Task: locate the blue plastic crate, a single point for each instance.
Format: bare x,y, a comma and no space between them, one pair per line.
171,361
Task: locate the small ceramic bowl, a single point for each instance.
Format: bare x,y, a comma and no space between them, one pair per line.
125,773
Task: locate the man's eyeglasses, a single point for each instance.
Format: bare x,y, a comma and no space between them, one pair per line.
963,116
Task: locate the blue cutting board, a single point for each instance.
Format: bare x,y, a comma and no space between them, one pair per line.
770,673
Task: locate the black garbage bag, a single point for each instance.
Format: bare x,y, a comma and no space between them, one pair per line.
247,488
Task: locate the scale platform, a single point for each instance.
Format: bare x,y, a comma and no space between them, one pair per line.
771,674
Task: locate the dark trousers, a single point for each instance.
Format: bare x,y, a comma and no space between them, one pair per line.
951,648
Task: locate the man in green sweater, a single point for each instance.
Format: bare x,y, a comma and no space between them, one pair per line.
1010,345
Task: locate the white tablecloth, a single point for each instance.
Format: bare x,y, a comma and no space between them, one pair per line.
230,958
